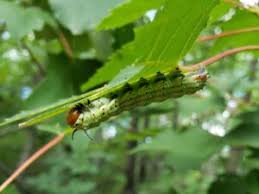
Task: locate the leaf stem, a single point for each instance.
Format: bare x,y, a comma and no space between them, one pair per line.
197,66
228,33
67,48
30,160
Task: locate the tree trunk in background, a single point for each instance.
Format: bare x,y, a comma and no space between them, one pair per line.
144,159
252,77
130,187
175,115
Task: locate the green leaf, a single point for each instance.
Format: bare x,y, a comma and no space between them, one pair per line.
241,20
46,112
21,21
198,105
230,183
81,15
245,130
110,69
219,11
197,17
161,44
193,145
93,45
248,136
10,190
58,84
102,43
134,9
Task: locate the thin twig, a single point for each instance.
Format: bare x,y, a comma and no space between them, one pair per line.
67,48
228,33
217,57
18,183
30,160
35,60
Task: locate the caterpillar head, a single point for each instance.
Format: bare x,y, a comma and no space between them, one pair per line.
201,77
74,114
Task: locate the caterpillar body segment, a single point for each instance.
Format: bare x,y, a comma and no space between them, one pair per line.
143,92
96,115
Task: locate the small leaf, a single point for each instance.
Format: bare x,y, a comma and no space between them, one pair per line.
25,20
245,129
134,9
241,20
81,15
10,190
219,11
52,88
193,145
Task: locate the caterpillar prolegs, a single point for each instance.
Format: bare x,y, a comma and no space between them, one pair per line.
158,87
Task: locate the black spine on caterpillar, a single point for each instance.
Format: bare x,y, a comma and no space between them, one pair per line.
158,88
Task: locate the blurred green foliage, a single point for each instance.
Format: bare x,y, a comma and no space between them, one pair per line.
201,144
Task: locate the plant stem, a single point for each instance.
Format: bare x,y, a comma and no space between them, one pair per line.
30,160
197,66
228,33
18,183
66,46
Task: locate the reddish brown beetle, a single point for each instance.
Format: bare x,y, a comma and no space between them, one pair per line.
73,115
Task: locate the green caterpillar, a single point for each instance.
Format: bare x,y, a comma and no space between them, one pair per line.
158,88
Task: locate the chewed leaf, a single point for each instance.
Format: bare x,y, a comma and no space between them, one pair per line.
159,45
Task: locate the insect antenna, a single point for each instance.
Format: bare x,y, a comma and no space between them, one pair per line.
85,130
73,134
